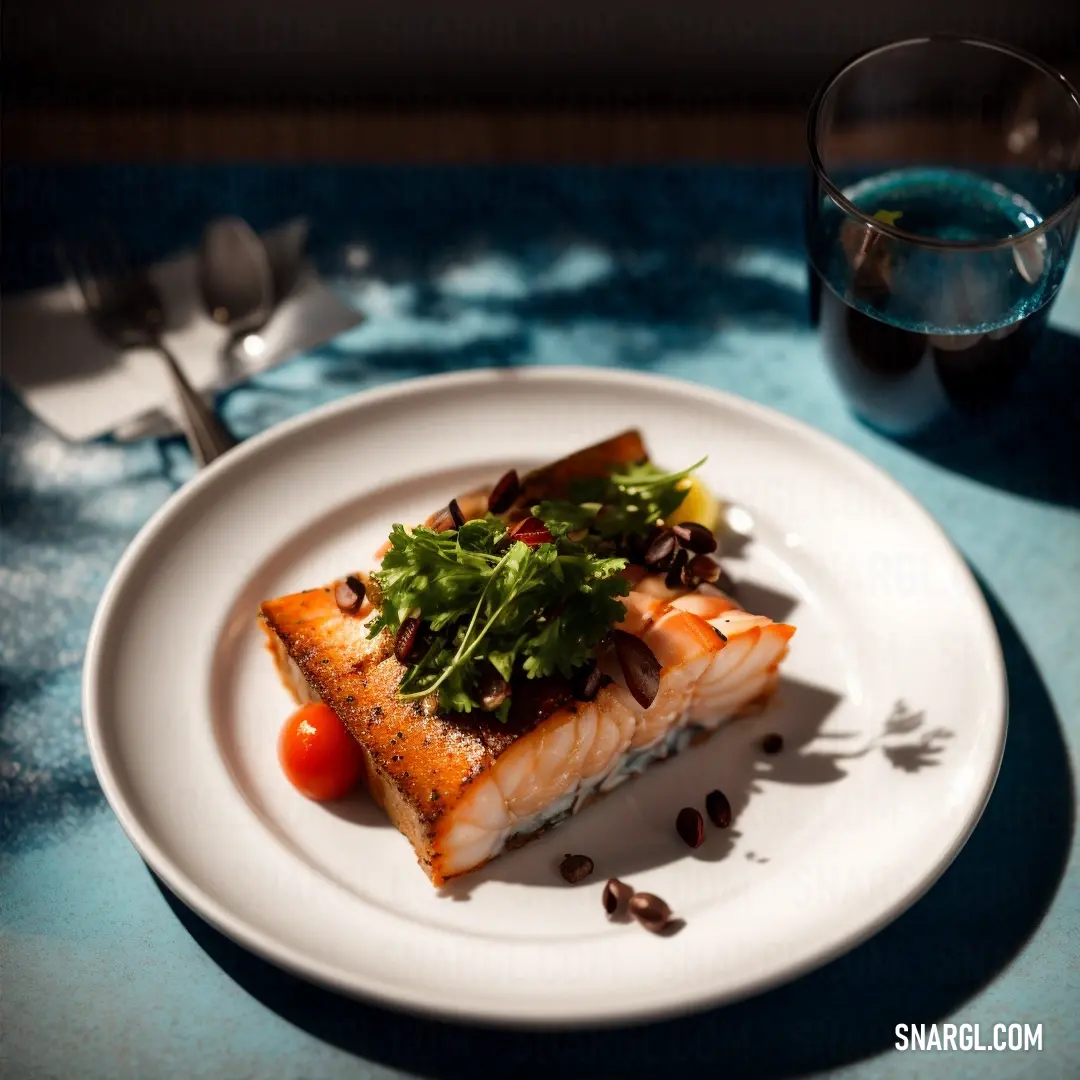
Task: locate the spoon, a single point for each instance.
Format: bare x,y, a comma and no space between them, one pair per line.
125,307
235,278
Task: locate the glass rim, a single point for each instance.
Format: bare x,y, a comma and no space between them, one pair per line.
893,231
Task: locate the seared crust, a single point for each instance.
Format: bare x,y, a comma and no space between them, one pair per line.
418,765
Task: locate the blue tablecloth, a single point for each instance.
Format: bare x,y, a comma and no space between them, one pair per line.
693,272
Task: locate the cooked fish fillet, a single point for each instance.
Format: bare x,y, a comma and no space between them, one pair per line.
465,788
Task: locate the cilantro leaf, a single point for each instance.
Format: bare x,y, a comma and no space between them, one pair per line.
625,504
484,599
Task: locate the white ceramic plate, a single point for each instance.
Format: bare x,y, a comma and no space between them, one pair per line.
893,712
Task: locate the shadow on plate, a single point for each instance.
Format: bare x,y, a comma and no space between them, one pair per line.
742,773
970,925
808,757
761,600
1030,443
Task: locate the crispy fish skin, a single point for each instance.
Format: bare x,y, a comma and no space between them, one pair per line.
417,765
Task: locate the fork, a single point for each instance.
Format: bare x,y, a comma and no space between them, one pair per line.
125,308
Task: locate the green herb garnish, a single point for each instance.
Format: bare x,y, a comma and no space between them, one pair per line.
486,601
623,505
540,610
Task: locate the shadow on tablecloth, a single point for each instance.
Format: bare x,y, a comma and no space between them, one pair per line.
921,968
1028,444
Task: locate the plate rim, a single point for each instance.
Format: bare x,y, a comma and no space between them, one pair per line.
239,929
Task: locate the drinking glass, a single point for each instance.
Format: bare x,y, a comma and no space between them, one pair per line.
942,206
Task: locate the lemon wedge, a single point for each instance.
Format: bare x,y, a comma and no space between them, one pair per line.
700,505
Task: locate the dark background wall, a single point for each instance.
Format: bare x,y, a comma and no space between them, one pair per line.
766,52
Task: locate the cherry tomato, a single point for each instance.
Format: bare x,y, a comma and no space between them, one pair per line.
319,756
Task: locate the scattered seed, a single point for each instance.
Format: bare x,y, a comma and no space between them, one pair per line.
639,666
596,681
718,808
492,687
456,515
650,911
688,577
674,574
531,531
589,681
504,493
405,638
705,568
659,553
349,594
615,897
695,537
690,826
772,744
720,634
575,868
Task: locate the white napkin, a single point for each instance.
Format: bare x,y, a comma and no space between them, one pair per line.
83,387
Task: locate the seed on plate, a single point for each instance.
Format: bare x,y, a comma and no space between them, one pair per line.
504,493
650,911
660,551
690,826
615,897
456,515
704,569
531,531
695,537
575,868
772,743
349,594
718,808
405,638
639,666
720,634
